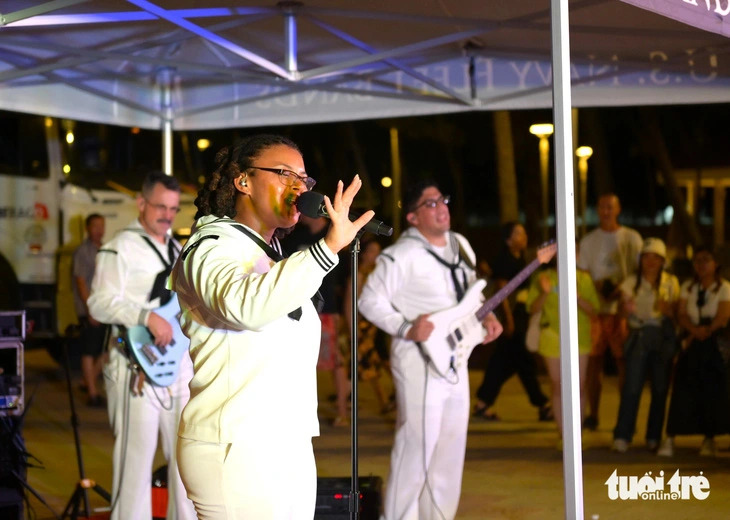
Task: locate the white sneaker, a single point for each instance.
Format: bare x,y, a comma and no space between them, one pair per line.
620,445
708,448
667,449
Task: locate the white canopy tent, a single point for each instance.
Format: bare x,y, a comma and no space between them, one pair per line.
241,64
238,64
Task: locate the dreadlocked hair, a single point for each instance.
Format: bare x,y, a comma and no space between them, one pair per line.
218,195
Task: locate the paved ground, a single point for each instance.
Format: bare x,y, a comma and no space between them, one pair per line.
513,469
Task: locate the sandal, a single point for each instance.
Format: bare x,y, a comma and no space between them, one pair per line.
390,407
545,413
482,413
341,420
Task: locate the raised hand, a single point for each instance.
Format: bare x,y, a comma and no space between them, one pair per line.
545,284
342,231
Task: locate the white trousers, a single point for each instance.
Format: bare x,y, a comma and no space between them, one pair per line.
263,479
136,422
434,447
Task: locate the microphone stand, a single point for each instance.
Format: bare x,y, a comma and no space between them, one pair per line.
354,502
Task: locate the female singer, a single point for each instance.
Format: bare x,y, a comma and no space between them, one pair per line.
245,447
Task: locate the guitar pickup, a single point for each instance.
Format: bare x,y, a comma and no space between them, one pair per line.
459,335
450,340
149,354
163,350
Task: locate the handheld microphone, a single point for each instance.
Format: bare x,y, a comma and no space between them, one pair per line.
311,204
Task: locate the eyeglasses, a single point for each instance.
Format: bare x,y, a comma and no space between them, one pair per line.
288,177
162,207
432,203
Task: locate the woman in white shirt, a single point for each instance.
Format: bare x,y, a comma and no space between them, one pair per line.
699,402
649,301
245,447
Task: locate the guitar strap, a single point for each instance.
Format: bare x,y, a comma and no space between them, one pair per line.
276,256
159,290
159,287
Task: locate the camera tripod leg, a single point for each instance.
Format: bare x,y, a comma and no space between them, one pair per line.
81,496
72,508
35,493
81,493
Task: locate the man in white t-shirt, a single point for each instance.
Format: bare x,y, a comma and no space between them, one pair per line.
609,253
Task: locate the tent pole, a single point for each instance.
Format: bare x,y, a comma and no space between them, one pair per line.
290,33
164,79
395,166
167,147
565,223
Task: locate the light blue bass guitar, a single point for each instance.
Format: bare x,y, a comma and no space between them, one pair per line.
160,364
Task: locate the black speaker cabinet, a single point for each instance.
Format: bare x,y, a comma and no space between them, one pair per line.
12,467
12,325
11,378
333,494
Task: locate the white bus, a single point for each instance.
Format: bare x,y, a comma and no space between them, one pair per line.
42,211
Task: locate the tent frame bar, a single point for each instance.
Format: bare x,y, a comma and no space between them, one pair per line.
36,10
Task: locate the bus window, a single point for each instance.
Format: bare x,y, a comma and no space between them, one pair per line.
23,149
101,153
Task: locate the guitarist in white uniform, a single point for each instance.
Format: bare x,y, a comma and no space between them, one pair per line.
426,270
129,283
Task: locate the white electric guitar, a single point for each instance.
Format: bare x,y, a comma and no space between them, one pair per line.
160,364
458,329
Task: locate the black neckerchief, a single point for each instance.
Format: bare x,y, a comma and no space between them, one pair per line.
276,256
460,287
159,287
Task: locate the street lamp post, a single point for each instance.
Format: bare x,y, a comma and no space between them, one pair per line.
543,131
583,153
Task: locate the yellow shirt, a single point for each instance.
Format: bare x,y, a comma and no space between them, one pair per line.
550,320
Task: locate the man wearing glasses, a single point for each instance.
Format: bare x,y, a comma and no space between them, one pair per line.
427,270
129,284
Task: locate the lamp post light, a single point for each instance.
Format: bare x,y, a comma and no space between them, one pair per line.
583,153
543,131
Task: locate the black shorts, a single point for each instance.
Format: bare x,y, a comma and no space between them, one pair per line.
92,338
